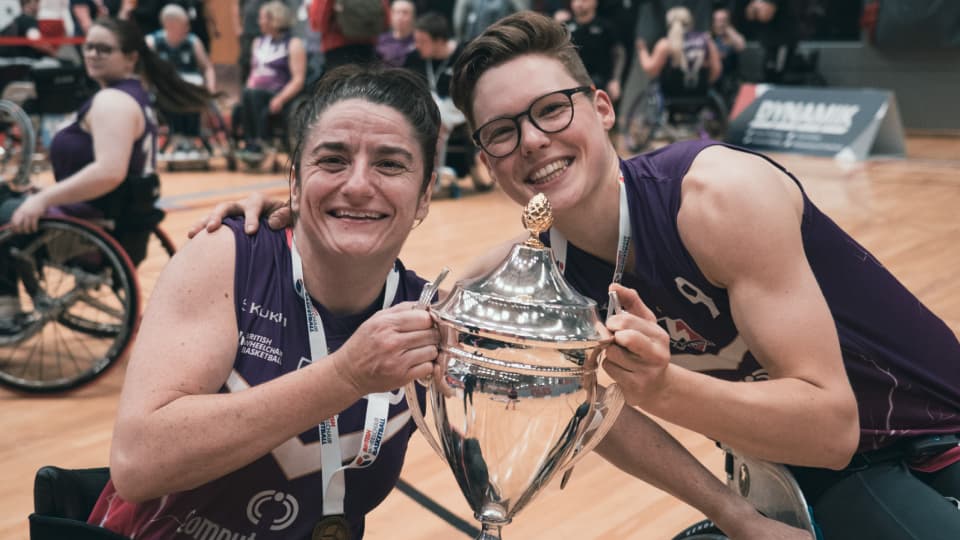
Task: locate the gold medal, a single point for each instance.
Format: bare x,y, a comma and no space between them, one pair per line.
332,528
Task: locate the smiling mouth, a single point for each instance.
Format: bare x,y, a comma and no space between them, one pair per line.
549,171
361,215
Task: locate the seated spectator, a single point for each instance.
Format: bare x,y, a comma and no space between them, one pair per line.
278,68
176,44
686,61
433,58
730,44
25,25
596,41
394,45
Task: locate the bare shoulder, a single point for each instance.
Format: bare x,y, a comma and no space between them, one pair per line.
112,100
733,205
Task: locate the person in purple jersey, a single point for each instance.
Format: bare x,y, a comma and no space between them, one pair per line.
749,316
261,399
104,161
684,60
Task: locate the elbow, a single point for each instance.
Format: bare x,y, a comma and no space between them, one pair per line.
840,448
127,476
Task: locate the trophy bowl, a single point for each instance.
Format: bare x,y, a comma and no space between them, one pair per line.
518,401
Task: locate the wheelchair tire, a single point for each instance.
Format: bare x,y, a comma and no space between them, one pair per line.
702,530
17,144
79,304
643,119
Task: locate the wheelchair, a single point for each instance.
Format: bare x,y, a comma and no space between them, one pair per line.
75,290
63,500
283,130
770,487
16,144
669,109
215,138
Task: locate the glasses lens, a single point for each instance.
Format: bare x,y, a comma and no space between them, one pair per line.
552,112
98,48
499,137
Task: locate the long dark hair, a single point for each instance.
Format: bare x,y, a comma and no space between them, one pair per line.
171,92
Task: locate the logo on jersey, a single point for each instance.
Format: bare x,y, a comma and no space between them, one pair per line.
260,347
201,528
263,312
289,503
683,338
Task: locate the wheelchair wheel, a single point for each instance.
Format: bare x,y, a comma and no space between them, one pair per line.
17,141
643,119
78,300
703,530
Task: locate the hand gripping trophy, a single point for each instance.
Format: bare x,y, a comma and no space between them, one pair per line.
518,399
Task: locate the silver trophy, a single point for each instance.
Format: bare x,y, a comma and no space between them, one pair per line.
518,399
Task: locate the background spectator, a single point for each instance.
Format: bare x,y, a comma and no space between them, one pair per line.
278,69
394,45
25,25
338,49
598,45
471,17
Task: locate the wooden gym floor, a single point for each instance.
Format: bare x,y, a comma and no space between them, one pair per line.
903,210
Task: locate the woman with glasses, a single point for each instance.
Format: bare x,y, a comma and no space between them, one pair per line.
104,161
748,315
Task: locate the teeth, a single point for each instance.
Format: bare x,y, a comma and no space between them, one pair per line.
549,169
356,214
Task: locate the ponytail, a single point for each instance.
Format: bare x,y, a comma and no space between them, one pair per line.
171,92
679,20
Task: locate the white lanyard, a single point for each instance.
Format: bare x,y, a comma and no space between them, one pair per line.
433,77
378,404
559,244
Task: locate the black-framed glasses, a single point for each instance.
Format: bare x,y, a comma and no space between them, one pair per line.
550,113
98,49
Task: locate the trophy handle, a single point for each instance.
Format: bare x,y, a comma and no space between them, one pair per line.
411,394
609,409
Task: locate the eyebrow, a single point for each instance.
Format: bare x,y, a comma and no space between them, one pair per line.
380,150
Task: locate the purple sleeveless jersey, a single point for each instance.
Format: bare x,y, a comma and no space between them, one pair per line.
902,360
72,148
279,495
270,63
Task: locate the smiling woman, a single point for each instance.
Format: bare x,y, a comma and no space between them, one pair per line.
287,331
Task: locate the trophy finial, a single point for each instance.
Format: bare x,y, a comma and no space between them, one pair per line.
537,218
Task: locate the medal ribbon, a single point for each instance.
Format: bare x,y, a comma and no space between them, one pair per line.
378,404
559,243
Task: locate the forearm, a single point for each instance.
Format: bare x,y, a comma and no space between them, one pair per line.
290,90
638,446
619,59
88,183
784,420
195,439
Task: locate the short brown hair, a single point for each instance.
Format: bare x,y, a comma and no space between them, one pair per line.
526,32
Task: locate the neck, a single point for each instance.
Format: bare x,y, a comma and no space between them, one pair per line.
343,285
586,226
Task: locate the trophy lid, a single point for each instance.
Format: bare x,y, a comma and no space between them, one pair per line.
525,298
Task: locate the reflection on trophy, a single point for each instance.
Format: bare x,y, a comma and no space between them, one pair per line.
518,400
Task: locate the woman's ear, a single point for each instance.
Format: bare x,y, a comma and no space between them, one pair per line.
294,190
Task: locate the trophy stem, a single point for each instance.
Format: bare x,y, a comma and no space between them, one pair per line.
489,532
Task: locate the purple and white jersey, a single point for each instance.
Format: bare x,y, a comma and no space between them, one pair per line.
902,360
270,63
279,495
72,147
